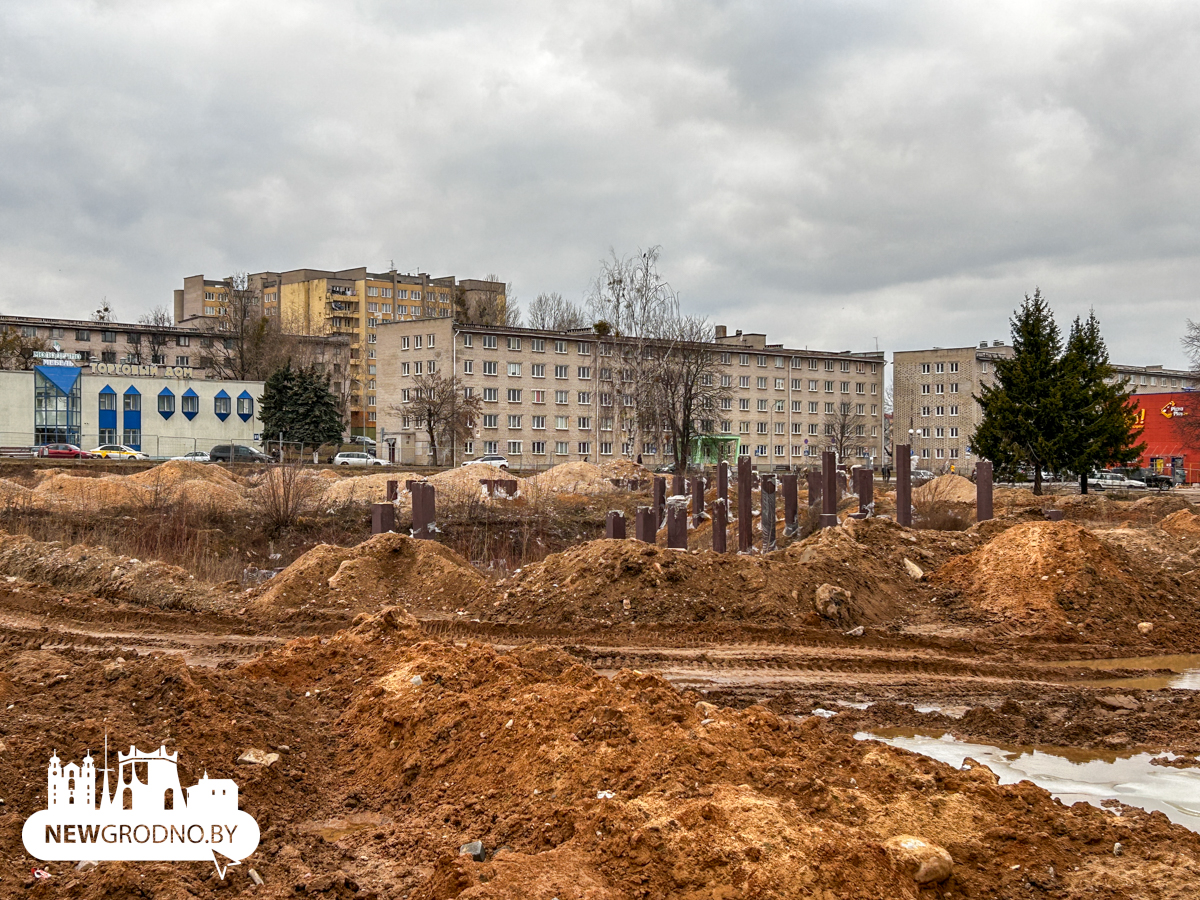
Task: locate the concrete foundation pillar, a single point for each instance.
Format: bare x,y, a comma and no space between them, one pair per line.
677,531
720,520
614,525
659,501
678,486
791,504
723,481
983,490
814,487
393,491
904,484
829,489
643,524
698,485
767,519
383,518
745,519
866,490
423,506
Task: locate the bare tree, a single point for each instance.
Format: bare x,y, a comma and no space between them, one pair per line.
104,312
551,312
159,317
687,387
633,307
845,431
243,343
487,306
443,410
16,350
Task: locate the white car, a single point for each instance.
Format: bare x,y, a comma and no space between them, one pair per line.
357,458
118,451
491,459
200,456
1114,481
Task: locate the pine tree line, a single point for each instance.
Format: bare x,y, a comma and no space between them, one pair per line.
1056,407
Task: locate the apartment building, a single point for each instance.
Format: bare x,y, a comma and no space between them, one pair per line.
934,406
550,397
82,342
349,302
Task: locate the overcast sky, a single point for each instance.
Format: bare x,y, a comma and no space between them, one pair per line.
830,173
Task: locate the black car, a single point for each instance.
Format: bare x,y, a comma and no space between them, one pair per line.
1158,481
236,453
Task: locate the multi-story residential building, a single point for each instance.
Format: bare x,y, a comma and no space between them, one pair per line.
934,404
550,397
350,302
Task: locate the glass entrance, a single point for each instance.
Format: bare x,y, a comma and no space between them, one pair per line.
56,404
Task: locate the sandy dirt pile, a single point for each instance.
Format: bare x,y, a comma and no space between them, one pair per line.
178,471
461,485
387,570
945,488
101,573
366,488
1039,576
584,787
624,468
13,494
575,478
606,582
1183,524
104,492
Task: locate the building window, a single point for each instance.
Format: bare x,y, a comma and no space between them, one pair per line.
82,334
490,367
108,337
133,402
585,372
562,396
561,423
561,371
585,349
538,345
491,395
166,403
514,447
514,421
466,340
560,448
538,396
221,405
539,448
584,448
514,395
489,342
191,404
514,369
491,447
132,437
585,423
606,448
538,423
585,397
468,367
491,420
245,406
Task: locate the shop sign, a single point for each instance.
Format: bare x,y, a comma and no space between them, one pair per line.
57,355
1171,411
141,371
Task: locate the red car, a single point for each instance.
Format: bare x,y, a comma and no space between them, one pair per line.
63,451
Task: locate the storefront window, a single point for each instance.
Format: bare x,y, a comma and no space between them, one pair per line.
56,404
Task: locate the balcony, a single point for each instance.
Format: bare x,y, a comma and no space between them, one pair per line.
341,306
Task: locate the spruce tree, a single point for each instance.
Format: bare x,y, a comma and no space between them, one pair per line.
1099,417
298,404
1023,410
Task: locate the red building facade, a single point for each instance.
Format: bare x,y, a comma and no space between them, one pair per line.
1169,448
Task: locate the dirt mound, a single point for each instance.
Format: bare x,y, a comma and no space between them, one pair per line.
628,582
387,570
366,488
945,488
462,485
574,478
101,573
13,494
178,471
93,493
1184,524
1038,576
586,787
624,468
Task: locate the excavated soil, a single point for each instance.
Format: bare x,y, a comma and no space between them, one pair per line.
387,570
946,488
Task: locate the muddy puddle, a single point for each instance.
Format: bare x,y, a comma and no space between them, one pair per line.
1185,669
1070,775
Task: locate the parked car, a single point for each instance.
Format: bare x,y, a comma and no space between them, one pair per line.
357,458
364,440
118,451
491,459
1113,481
62,451
196,456
236,453
920,476
1159,481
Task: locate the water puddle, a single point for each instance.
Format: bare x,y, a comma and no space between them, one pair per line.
1186,667
1070,775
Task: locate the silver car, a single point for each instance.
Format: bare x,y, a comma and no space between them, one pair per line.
357,458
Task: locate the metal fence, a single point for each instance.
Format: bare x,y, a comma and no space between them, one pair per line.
156,446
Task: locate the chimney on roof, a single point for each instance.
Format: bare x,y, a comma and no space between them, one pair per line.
997,343
739,333
719,331
983,343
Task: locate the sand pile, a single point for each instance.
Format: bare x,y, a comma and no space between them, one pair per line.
104,492
623,582
610,788
366,488
101,573
624,468
574,478
462,485
945,489
387,570
1036,577
1184,524
13,494
179,471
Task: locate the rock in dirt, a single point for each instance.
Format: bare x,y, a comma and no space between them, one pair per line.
253,757
856,632
923,861
1145,627
254,876
474,850
913,569
830,600
1119,701
84,864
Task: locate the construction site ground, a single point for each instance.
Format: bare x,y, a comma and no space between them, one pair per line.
617,719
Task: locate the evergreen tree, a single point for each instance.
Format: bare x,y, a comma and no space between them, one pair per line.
298,405
1099,417
1023,410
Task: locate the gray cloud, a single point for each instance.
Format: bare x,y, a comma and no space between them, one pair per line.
830,173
